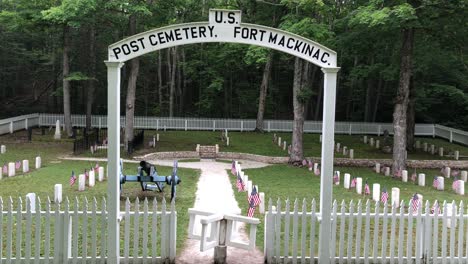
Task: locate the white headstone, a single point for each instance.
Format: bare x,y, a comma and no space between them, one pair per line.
1,172
217,148
359,185
447,172
377,144
279,141
261,206
249,187
31,197
91,178
339,177
245,178
425,146
440,185
421,179
371,142
461,187
365,139
395,199
432,149
404,175
227,141
315,167
464,176
346,182
81,182
338,147
157,137
197,149
387,171
101,174
345,151
11,169
57,134
376,192
456,155
38,162
441,151
418,144
351,153
58,193
284,145
377,167
25,166
3,149
154,142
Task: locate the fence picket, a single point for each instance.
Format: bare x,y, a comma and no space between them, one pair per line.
350,230
154,228
427,242
103,230
358,230
145,231
1,227
75,231
333,229
94,229
164,234
401,232
303,230
28,230
392,233
19,232
375,249
453,227
127,231
312,232
269,233
409,240
384,232
136,228
295,232
466,243
418,238
47,232
277,233
444,235
9,244
342,229
367,233
435,238
67,232
85,231
460,232
287,217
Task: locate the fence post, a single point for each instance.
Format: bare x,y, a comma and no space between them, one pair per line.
433,131
172,233
242,125
350,127
214,125
268,126
100,122
379,129
157,124
26,124
185,124
451,136
11,127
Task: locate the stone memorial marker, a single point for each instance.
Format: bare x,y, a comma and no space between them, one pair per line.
57,134
284,145
25,166
91,178
377,167
441,151
101,174
345,151
395,199
157,137
404,175
359,185
154,142
377,144
418,144
338,147
425,146
81,182
371,142
1,173
347,178
351,153
31,198
3,149
38,162
249,187
387,171
456,155
279,141
464,176
227,141
440,183
376,192
432,149
261,206
58,193
447,172
11,169
315,167
421,179
197,149
365,139
245,178
461,187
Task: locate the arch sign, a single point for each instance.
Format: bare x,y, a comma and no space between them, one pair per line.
223,26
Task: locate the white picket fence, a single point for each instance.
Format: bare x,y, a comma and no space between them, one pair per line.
77,232
364,235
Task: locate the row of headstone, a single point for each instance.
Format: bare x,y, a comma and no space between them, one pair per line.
432,149
249,185
372,142
91,178
281,144
10,169
152,143
345,150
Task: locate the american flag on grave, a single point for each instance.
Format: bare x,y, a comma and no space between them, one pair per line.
72,178
5,168
304,162
366,189
96,168
442,171
414,176
415,203
317,171
251,211
311,165
233,168
254,196
435,182
384,196
240,183
17,164
398,173
86,174
455,184
336,178
455,173
435,208
353,182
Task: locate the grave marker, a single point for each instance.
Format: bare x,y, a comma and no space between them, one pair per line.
422,179
371,142
91,178
404,175
57,134
447,172
81,182
38,162
365,139
347,178
441,151
395,199
359,185
377,144
3,149
418,144
351,153
25,166
11,169
338,147
31,197
58,193
377,167
261,206
464,176
376,192
461,187
345,151
425,146
279,141
387,171
440,183
284,145
456,155
101,174
432,149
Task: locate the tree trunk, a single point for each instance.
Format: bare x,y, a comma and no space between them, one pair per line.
377,99
263,92
131,89
92,75
410,119
300,72
173,80
318,102
160,93
66,83
402,100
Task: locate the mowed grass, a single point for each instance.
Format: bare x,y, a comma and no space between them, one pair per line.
288,182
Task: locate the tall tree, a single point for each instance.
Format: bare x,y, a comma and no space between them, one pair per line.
263,92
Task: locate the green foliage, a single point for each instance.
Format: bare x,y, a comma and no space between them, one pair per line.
71,12
78,76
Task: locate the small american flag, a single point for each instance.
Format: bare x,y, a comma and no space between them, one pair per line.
455,184
435,183
398,173
86,174
455,173
435,208
96,167
336,178
233,168
413,177
311,165
72,178
415,203
353,182
251,211
240,184
254,196
17,164
304,162
384,196
317,171
366,189
5,168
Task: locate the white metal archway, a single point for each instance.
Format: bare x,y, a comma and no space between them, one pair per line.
223,26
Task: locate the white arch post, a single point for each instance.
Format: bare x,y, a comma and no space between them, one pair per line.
223,26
